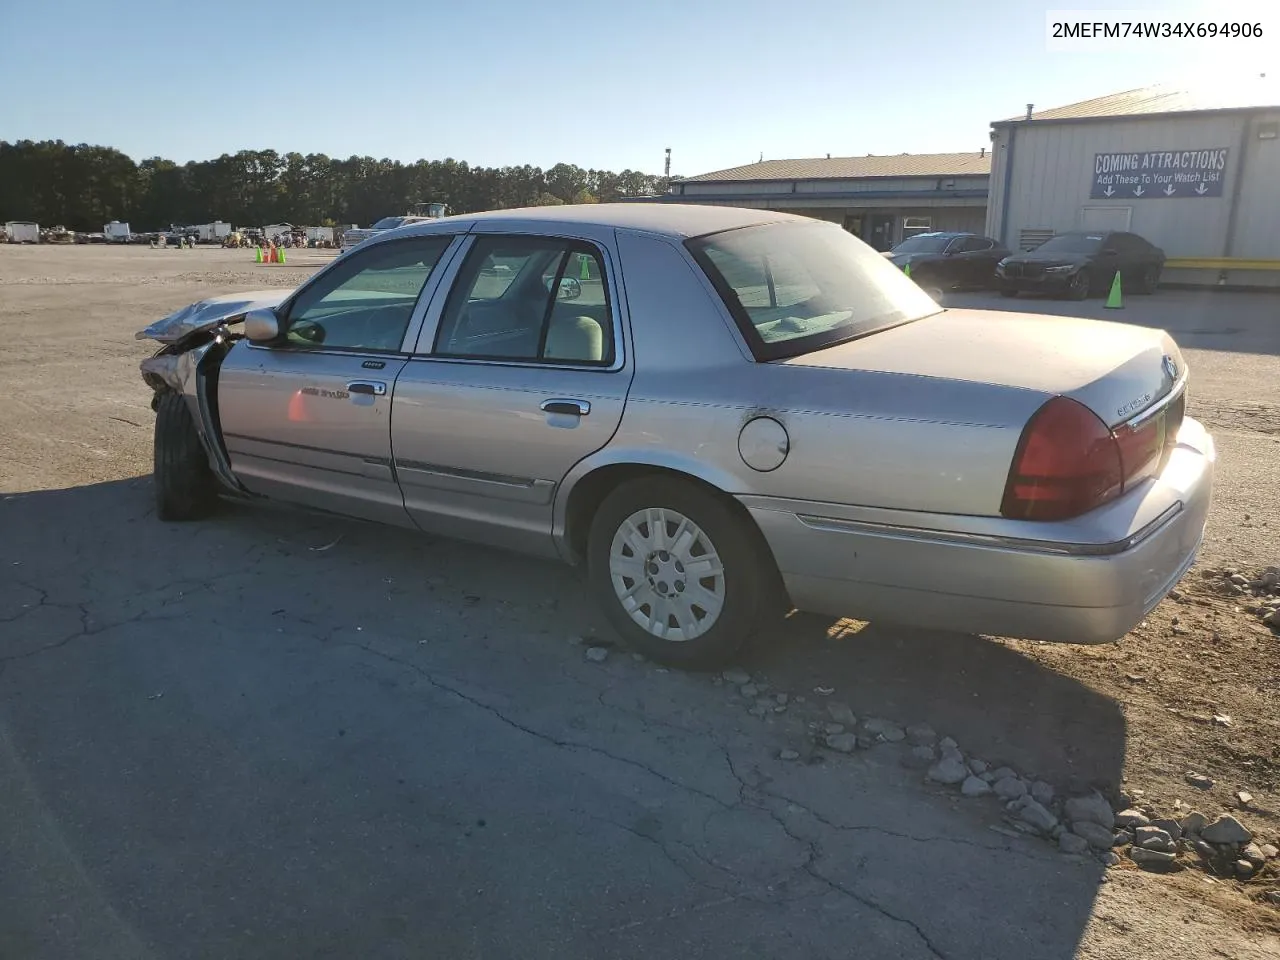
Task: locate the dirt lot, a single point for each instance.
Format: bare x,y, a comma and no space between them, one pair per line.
365,710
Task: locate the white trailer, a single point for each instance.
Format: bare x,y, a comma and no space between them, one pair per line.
23,231
274,230
214,232
116,232
320,235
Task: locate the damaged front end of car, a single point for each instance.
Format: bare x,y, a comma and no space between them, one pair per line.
195,339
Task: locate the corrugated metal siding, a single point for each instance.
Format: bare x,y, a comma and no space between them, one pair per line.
1257,233
1053,172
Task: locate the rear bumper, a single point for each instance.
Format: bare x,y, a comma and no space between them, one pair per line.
1085,581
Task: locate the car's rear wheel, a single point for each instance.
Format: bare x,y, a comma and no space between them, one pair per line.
677,571
186,488
1149,280
1078,287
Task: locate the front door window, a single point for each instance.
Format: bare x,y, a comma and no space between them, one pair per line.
365,304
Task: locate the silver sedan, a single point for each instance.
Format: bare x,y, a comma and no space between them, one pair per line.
720,413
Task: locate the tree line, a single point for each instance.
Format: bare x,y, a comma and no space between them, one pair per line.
81,187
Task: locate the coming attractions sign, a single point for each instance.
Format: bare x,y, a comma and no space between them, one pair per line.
1159,174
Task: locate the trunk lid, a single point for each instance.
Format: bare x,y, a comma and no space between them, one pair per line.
1115,369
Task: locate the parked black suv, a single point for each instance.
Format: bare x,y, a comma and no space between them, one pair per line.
1080,263
948,261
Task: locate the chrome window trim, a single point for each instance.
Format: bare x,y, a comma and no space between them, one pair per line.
422,348
429,287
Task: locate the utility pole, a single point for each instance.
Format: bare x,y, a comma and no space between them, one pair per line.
666,170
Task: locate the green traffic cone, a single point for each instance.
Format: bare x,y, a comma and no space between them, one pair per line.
1114,300
584,273
907,269
257,258
282,255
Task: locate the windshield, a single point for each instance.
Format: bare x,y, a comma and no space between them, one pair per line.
388,223
799,287
922,244
1072,243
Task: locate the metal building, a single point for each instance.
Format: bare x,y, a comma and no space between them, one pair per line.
881,199
1195,172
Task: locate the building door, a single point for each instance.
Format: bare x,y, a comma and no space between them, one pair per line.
1106,218
880,236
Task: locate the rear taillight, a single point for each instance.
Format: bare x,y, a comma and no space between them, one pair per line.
1067,463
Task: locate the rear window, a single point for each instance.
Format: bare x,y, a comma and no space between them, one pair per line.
799,287
1072,243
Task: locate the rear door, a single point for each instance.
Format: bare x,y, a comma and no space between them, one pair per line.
520,372
308,418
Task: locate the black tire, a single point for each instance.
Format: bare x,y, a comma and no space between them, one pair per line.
749,575
1079,286
186,488
1008,291
1149,280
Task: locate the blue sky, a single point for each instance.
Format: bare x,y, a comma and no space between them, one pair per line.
606,85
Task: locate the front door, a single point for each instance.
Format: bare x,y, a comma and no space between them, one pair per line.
308,419
520,373
881,231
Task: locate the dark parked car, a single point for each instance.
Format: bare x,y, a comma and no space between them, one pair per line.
1080,263
947,261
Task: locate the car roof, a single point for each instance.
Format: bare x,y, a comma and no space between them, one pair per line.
679,220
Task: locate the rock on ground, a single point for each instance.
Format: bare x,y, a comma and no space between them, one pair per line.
1226,829
737,676
1153,838
975,787
842,713
597,654
948,770
1150,857
1132,818
1093,808
1036,815
1094,834
1042,793
1010,788
1072,843
843,742
1193,822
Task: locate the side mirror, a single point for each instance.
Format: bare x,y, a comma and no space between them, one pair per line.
261,326
570,288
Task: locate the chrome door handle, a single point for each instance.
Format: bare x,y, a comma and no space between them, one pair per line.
374,388
576,408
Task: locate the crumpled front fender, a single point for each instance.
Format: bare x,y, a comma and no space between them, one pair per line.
209,313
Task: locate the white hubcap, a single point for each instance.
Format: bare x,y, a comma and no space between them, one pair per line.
667,574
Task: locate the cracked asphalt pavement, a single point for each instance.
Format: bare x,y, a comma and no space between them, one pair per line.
240,738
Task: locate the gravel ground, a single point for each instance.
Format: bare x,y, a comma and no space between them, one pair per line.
221,739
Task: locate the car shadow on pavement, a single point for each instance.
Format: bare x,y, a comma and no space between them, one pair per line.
274,733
